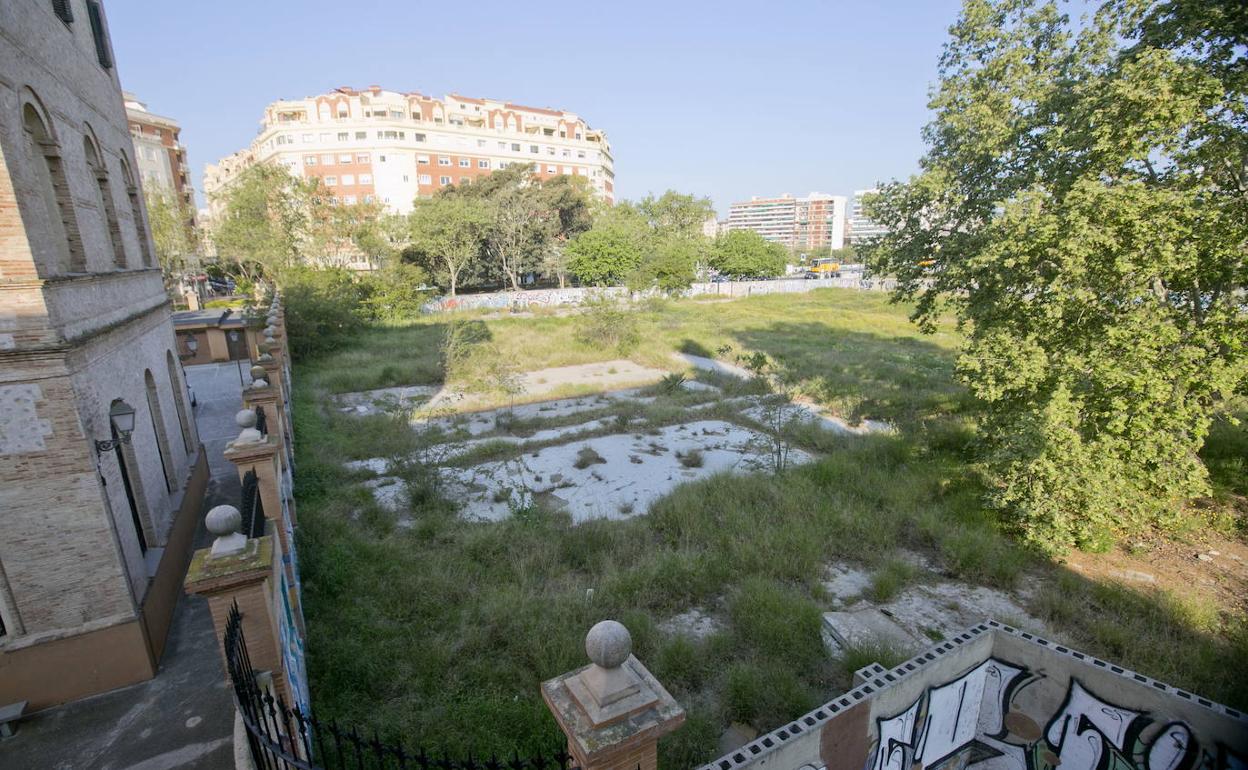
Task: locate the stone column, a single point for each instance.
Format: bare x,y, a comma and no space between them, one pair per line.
218,348
613,710
242,570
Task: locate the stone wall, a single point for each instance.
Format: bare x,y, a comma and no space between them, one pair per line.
997,698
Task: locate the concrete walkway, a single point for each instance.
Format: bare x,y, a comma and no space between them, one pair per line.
183,718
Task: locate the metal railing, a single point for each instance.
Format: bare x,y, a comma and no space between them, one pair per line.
281,737
251,506
262,422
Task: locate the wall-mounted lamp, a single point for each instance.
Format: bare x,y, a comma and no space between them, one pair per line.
121,415
192,345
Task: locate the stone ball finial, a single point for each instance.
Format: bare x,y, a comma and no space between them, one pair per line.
258,373
246,418
260,383
270,330
608,644
223,520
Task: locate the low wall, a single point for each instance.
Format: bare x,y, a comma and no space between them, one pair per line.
578,295
999,698
166,586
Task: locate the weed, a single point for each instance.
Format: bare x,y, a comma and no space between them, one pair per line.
691,459
890,579
586,457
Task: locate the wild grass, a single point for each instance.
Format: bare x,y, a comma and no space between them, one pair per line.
441,633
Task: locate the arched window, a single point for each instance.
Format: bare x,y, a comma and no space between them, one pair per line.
65,240
175,382
104,199
158,428
136,212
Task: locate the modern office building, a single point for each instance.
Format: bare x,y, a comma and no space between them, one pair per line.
101,471
861,227
392,147
815,221
159,152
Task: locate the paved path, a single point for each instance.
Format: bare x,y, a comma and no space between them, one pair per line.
184,717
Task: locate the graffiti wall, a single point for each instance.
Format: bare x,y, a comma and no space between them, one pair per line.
1000,716
996,698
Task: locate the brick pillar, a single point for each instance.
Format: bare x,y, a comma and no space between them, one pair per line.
237,569
613,711
267,397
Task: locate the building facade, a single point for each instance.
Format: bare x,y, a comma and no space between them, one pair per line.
391,147
101,473
861,227
158,152
816,221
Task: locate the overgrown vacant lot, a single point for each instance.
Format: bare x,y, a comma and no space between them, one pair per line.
441,631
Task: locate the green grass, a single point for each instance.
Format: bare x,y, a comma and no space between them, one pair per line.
442,633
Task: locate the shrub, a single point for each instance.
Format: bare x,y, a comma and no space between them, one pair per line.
397,292
323,309
606,325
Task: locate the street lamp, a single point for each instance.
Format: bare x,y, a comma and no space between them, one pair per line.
192,345
121,416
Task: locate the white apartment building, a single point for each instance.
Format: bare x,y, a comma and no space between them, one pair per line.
861,227
811,222
391,147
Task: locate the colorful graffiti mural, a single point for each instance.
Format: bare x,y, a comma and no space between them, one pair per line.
985,719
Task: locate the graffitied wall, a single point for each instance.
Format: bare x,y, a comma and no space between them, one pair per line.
505,300
996,698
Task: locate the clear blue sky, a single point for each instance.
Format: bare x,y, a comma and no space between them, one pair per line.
721,99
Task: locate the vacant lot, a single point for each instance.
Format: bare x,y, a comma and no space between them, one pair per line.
428,625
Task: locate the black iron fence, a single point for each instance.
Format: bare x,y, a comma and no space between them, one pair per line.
252,507
281,737
262,422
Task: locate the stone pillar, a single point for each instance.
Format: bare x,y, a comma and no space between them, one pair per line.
218,348
243,571
192,299
613,710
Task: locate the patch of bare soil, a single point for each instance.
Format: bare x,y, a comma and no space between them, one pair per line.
1209,567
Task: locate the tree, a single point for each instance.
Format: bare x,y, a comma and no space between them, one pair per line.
264,221
676,214
450,231
748,254
670,265
173,232
610,252
1083,211
341,233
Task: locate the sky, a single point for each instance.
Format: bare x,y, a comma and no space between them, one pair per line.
722,99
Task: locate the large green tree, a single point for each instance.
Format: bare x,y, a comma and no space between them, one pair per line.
1083,212
264,225
675,214
450,231
172,222
747,254
609,252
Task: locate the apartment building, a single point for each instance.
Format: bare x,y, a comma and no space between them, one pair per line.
158,151
862,227
101,471
799,223
391,147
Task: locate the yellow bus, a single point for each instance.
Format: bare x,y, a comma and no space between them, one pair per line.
824,267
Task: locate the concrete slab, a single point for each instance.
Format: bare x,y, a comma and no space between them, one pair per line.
711,365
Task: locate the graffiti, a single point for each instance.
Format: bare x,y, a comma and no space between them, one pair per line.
985,719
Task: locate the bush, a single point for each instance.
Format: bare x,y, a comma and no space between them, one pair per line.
323,309
397,292
605,325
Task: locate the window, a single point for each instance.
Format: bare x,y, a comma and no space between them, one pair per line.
550,150
345,157
396,113
327,160
444,180
425,179
444,161
363,157
324,138
309,160
418,137
366,178
580,153
348,178
515,147
465,163
284,139
563,134
348,199
567,153
342,114
331,181
422,159
368,199
552,169
480,142
533,148
65,12
361,135
343,136
306,138
483,164
502,145
102,54
405,177
578,134
503,164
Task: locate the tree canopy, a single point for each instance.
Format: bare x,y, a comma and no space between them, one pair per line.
1083,213
747,254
